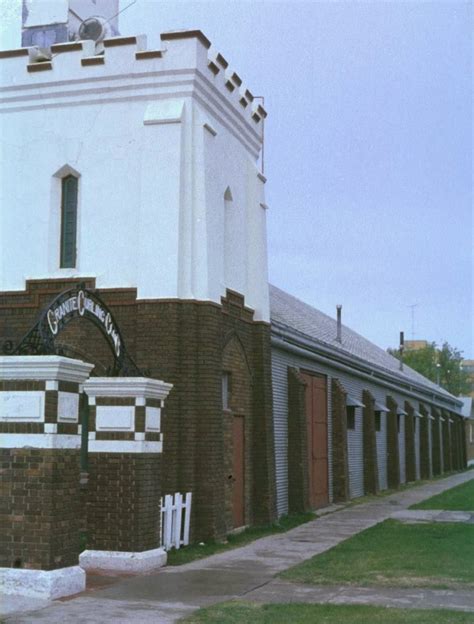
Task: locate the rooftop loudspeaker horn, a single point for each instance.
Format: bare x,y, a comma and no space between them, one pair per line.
95,28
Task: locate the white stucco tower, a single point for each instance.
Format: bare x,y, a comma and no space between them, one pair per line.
164,147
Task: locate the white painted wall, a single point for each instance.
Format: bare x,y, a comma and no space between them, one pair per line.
156,143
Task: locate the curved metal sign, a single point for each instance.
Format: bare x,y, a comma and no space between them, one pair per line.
71,304
83,303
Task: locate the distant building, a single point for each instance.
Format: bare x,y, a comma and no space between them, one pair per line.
415,345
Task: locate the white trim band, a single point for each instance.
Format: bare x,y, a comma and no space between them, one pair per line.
124,446
115,561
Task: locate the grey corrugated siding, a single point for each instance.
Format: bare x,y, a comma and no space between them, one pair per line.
280,428
281,360
417,448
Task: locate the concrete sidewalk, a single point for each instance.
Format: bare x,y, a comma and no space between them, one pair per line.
171,593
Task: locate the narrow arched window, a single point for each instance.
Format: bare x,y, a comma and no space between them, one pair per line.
68,221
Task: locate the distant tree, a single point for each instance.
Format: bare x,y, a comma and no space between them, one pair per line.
443,366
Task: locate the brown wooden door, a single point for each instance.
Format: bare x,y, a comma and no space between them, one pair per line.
317,437
238,498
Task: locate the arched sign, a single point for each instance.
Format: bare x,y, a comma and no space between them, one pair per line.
76,303
83,303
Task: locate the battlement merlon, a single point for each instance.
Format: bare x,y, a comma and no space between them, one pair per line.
124,65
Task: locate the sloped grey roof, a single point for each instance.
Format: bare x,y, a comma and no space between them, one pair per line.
295,314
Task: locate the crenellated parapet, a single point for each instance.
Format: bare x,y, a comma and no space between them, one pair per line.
124,64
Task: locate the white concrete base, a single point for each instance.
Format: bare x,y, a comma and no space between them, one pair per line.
45,584
116,561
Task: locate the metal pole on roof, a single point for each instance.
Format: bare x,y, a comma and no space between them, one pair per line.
402,346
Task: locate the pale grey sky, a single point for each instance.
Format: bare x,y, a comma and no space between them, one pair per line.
368,150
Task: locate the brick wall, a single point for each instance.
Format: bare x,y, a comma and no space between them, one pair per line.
393,457
446,441
425,422
339,443
123,501
40,508
410,442
371,475
181,342
298,478
435,443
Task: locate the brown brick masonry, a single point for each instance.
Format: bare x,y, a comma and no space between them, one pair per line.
435,443
410,469
447,456
123,501
298,478
425,423
39,525
393,458
181,342
369,441
339,443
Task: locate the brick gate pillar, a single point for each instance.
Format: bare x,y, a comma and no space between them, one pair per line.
40,461
124,489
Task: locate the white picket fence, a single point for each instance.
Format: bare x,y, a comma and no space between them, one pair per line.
175,520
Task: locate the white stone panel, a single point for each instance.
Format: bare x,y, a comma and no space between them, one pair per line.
68,407
125,446
43,584
22,406
40,440
153,419
115,418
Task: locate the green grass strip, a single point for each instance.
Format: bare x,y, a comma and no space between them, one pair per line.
437,555
459,498
247,613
